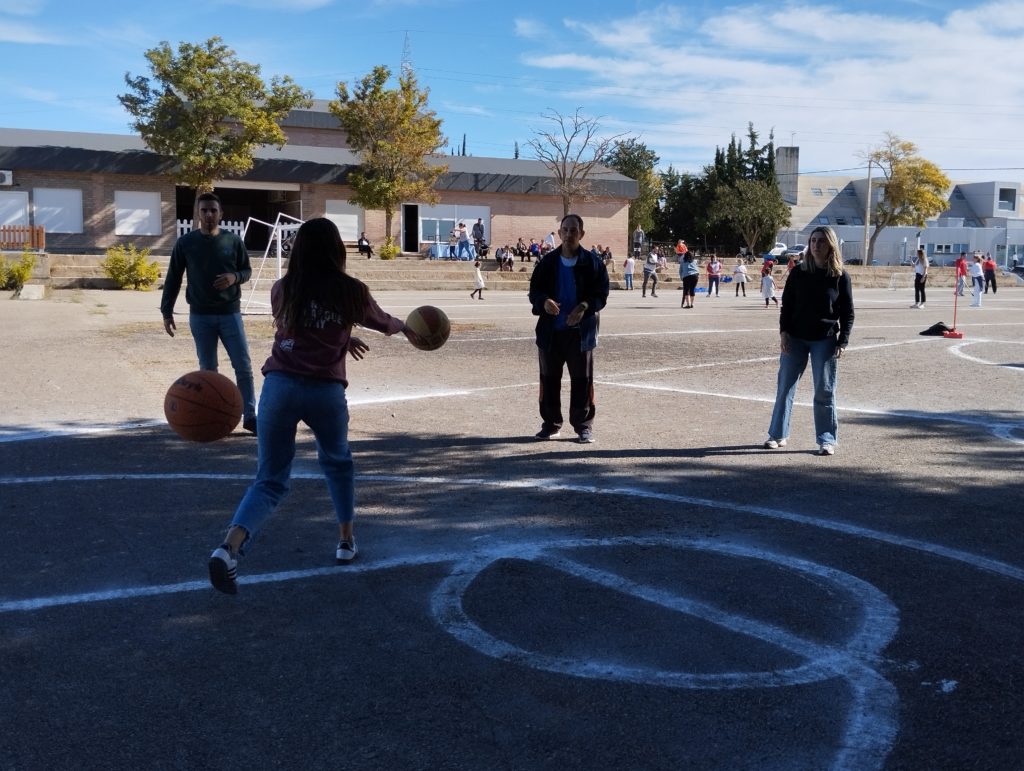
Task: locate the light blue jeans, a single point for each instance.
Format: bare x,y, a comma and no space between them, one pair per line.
285,400
207,329
629,280
823,373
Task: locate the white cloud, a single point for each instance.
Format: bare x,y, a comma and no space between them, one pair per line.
467,109
530,29
16,32
34,94
834,79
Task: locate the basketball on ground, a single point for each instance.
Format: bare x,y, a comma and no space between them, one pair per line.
203,406
431,324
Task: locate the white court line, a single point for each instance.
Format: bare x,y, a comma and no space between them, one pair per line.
1002,430
957,350
985,564
871,725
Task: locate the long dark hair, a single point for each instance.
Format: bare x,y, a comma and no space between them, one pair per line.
316,280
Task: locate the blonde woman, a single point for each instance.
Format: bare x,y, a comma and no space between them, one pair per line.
815,323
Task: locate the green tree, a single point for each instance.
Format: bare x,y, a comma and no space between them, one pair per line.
688,208
631,158
912,189
683,204
396,137
752,208
572,150
208,110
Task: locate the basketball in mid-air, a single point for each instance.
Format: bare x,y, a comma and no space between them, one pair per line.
203,406
431,324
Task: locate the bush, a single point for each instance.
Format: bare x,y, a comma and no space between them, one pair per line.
389,250
15,275
129,268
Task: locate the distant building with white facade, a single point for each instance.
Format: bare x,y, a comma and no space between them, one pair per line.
982,216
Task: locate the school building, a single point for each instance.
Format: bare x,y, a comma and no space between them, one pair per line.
982,216
92,191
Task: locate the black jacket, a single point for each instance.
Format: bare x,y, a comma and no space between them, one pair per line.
816,305
591,287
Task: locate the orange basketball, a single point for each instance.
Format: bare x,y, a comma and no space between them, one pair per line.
203,406
431,324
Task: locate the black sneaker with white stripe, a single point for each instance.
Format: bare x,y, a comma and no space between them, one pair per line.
223,570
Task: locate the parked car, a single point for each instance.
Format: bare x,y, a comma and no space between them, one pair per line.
778,250
796,250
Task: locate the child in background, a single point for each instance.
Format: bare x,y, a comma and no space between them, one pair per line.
739,274
478,282
768,288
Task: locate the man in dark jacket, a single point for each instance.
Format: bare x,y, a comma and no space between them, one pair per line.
568,289
216,264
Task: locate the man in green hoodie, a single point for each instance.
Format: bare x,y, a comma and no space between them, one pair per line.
216,264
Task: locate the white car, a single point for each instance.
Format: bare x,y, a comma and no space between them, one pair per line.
778,249
796,250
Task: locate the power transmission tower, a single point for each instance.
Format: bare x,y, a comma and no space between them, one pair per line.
407,55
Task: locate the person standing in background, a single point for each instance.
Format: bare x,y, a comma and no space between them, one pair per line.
478,282
961,273
989,267
627,270
920,278
638,241
689,273
739,274
714,270
977,274
768,287
650,274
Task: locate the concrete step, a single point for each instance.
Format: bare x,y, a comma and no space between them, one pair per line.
414,272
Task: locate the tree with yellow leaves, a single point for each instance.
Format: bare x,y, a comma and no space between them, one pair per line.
912,189
396,137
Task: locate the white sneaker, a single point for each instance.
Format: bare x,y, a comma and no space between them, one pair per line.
921,305
826,449
774,444
916,305
345,553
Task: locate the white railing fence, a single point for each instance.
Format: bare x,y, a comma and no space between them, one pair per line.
185,226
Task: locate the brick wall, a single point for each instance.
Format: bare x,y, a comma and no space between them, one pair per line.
512,216
98,209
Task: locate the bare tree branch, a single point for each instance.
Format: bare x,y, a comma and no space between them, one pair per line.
571,150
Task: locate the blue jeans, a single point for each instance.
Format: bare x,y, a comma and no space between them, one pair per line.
207,329
464,247
285,400
629,281
823,372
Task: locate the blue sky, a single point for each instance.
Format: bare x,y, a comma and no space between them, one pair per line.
682,77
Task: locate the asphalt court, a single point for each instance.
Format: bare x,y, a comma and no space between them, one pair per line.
672,596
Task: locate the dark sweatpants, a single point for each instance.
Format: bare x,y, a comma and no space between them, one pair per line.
565,350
